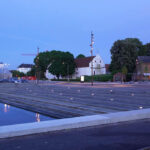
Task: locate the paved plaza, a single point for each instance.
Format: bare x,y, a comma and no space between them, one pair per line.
65,100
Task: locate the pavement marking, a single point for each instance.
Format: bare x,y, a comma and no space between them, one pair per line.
71,123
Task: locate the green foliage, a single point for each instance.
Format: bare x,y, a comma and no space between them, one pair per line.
129,77
124,53
100,78
124,70
72,80
17,74
80,56
41,63
57,62
62,63
32,72
147,49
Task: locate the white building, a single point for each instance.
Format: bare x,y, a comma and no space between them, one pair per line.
25,68
4,72
83,67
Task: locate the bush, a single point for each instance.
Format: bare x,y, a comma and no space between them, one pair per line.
129,77
100,78
72,80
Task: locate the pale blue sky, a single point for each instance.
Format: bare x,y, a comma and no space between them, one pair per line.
66,25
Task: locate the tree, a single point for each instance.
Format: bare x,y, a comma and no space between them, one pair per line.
124,70
147,49
80,56
61,63
32,72
41,63
123,53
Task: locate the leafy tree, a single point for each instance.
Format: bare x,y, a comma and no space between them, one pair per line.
32,72
41,63
147,49
123,53
62,63
124,70
80,56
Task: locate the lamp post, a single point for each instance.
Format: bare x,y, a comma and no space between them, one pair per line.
67,70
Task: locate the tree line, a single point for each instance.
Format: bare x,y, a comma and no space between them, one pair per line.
58,63
124,54
123,59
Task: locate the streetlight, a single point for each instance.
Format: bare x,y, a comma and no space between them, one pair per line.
67,70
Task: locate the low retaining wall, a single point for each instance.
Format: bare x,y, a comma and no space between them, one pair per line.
70,123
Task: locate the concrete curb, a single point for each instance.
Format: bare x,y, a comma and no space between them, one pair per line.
70,123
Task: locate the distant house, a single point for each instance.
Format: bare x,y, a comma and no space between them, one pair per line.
84,66
24,68
143,65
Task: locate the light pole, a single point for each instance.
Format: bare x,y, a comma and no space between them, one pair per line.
67,70
91,45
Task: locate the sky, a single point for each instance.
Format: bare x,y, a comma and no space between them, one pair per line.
67,24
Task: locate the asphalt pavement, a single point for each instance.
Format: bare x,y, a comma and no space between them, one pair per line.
124,136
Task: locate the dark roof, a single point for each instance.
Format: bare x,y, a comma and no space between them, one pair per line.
83,62
25,66
145,59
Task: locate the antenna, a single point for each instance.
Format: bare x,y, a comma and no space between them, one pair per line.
91,45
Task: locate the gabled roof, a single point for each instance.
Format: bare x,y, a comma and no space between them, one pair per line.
83,62
145,59
25,66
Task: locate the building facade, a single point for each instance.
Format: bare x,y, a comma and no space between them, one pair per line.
143,65
4,72
24,68
84,67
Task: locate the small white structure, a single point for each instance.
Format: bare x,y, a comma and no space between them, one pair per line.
83,67
25,68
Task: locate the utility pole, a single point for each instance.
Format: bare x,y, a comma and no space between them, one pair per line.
91,45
